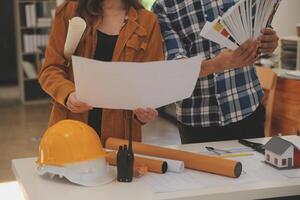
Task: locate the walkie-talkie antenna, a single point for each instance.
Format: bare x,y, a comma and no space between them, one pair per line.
130,118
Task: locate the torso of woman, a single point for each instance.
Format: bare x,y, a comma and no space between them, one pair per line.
108,32
139,40
104,52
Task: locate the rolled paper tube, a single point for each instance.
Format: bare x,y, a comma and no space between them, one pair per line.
59,2
173,165
153,165
194,161
76,28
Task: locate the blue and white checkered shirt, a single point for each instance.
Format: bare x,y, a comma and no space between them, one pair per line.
218,99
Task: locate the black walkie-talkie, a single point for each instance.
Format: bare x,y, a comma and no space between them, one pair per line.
125,158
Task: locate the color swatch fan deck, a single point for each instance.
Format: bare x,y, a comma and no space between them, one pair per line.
241,22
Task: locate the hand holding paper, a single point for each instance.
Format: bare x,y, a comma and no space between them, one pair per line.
145,115
242,22
75,106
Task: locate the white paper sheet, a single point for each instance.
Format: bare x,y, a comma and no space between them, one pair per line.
290,173
127,85
190,179
254,170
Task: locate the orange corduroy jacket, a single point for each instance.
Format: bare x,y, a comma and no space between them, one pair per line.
139,41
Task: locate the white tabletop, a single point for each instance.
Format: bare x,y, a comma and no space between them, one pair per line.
39,188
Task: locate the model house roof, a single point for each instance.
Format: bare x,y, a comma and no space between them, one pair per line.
278,145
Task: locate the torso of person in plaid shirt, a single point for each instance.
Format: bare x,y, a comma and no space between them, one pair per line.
218,99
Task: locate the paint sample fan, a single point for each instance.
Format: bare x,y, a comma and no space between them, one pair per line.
241,22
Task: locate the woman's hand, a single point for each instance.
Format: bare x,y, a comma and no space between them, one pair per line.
145,115
76,106
268,41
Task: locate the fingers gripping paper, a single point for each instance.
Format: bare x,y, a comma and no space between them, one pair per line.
76,29
130,85
194,161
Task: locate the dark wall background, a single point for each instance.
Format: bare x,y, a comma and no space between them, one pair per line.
8,59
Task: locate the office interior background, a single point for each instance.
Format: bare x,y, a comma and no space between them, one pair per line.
25,108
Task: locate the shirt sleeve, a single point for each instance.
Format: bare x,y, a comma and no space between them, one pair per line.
172,44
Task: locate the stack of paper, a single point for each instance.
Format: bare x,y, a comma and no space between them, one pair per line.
242,22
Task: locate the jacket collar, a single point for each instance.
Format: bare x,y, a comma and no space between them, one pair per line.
132,14
129,28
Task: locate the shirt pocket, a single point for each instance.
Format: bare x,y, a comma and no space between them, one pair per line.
136,46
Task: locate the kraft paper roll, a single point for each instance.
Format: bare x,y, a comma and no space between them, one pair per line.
194,161
77,26
153,165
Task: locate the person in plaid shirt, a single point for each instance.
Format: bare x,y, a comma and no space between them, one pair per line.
226,102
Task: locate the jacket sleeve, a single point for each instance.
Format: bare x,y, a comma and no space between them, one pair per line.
53,76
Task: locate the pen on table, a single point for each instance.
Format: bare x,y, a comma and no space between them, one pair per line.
216,151
256,146
228,153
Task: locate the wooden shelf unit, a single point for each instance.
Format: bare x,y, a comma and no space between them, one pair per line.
293,53
31,91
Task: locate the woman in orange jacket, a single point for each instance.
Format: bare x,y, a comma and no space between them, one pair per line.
117,30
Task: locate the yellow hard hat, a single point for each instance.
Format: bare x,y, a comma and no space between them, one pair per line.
73,150
69,141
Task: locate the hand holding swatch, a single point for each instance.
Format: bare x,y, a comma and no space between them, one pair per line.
241,22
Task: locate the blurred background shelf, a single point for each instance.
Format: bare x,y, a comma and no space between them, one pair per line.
8,69
290,53
32,24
